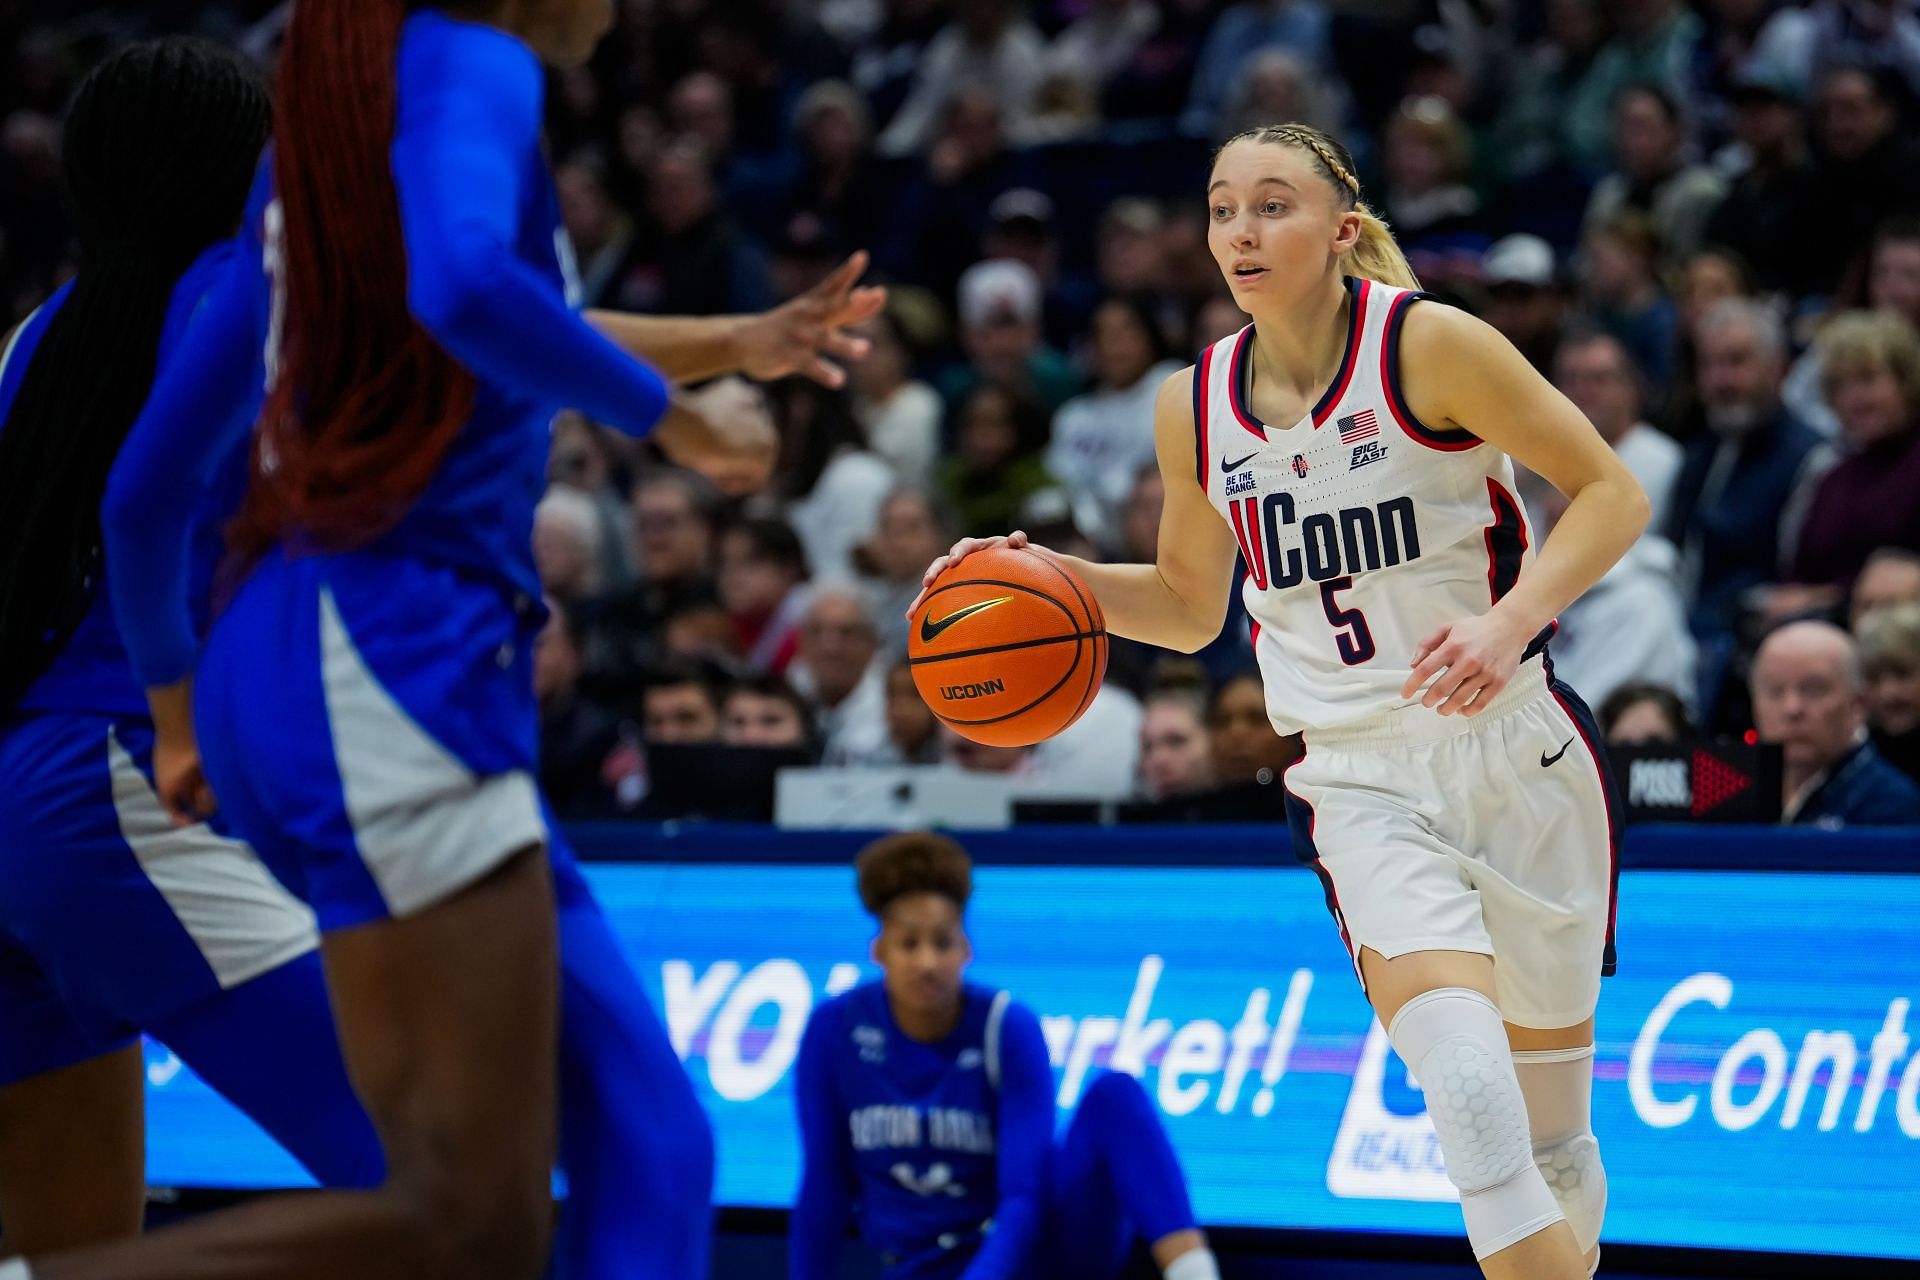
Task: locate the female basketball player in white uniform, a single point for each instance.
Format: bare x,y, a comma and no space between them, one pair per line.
1354,445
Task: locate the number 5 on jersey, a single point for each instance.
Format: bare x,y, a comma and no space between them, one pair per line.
1350,634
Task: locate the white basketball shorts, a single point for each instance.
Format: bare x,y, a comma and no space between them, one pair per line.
1498,834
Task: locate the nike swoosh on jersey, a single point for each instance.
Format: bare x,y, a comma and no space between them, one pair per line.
1228,468
1547,762
930,630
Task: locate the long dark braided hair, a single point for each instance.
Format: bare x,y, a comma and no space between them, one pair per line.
161,144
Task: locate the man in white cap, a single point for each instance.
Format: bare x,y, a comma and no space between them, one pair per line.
1000,314
1524,299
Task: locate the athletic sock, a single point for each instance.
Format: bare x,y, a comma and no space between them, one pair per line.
1198,1264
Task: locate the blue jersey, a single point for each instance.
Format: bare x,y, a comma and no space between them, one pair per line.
484,277
939,1152
90,674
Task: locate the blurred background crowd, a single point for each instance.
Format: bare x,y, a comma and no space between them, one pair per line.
1700,220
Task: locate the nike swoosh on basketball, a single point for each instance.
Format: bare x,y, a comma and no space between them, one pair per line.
1547,762
1228,468
930,630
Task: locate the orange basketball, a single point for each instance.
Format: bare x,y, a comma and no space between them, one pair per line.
1009,647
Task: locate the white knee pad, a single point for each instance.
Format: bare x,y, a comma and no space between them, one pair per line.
1456,1044
1558,1084
1578,1181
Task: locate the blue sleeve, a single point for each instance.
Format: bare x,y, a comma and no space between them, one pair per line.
820,1214
1025,1146
469,119
196,414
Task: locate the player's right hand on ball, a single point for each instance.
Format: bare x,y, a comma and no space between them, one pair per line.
725,432
961,550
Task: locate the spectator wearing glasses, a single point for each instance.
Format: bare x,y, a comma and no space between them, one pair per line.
674,531
1595,371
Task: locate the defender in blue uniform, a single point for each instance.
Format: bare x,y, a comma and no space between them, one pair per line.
633,1140
113,920
365,698
926,1111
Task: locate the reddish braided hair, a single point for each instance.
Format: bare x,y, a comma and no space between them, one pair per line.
365,403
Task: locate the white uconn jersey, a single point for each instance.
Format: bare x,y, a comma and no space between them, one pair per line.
1362,528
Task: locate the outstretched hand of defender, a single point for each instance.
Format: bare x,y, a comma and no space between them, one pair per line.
178,777
961,550
1464,665
809,334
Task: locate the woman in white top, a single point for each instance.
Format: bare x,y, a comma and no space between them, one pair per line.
833,486
1355,445
1101,440
899,414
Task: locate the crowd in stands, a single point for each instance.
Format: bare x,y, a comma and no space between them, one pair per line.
1700,220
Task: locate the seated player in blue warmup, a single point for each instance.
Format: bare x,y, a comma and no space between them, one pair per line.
114,921
927,1116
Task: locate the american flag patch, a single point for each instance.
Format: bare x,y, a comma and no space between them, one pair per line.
1359,426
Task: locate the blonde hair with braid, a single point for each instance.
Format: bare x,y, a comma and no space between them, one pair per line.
1375,255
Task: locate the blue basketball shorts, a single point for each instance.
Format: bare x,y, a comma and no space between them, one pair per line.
111,918
368,724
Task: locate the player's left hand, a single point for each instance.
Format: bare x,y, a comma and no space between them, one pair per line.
1468,662
808,334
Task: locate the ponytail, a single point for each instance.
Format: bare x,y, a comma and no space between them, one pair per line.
1376,254
161,145
366,403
